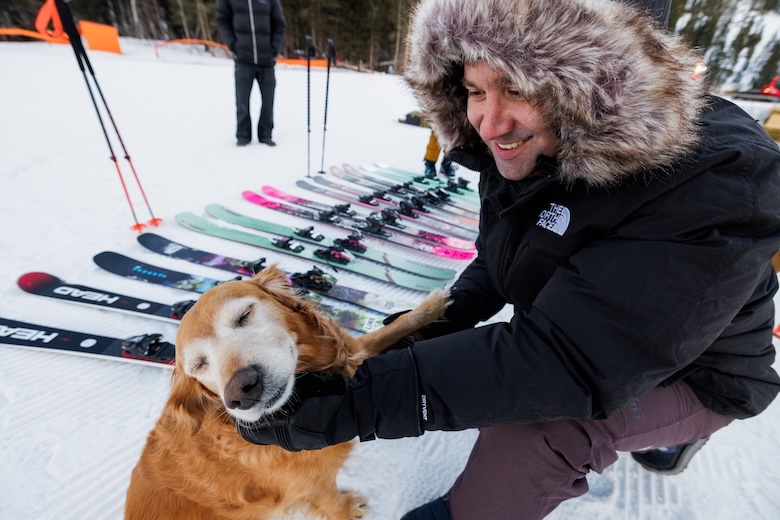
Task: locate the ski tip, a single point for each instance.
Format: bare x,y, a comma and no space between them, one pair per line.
30,281
148,238
106,256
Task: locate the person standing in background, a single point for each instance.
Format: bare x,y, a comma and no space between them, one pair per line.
432,152
254,32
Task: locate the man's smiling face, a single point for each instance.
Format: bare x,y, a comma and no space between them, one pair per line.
510,125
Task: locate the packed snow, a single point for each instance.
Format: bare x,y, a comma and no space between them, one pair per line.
72,427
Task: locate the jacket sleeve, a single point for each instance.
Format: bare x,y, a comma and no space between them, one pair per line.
559,360
224,14
473,297
278,27
629,312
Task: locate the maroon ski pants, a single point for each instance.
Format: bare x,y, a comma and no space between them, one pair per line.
524,472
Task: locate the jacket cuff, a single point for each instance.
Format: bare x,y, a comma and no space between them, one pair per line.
394,395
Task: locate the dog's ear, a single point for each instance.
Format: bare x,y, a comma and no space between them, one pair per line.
273,281
311,327
272,278
188,402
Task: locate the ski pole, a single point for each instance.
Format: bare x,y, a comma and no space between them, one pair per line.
331,57
309,54
69,26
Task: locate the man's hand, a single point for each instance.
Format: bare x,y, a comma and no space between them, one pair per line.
322,412
326,409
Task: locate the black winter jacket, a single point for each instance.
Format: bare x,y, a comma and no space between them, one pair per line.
252,29
616,290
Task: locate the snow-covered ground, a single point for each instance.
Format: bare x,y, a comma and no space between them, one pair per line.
72,428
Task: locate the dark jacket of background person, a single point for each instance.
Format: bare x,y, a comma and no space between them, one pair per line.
252,29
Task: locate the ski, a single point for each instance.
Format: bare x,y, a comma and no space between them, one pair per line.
361,320
146,348
352,242
446,194
459,186
372,228
408,208
327,255
48,285
387,217
433,204
313,280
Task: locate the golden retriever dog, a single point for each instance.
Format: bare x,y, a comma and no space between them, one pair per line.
237,353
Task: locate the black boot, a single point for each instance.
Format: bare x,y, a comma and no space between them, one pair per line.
671,460
436,510
447,168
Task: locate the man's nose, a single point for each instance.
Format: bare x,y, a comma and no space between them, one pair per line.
496,120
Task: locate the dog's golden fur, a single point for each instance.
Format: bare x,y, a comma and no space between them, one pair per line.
195,466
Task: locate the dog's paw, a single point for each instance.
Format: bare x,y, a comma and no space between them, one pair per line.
354,506
433,306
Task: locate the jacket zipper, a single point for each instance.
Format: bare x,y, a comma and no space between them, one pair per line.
252,25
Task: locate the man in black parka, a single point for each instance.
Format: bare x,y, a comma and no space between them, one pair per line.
254,32
628,216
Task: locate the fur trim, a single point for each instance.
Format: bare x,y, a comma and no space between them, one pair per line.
617,86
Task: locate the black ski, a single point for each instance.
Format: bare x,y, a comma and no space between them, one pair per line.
346,315
314,280
146,348
48,285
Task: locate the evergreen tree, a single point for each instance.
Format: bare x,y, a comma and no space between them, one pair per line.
769,69
371,34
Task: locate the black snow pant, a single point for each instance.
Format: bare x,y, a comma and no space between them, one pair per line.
246,75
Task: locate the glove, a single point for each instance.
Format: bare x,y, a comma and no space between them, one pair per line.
381,400
322,412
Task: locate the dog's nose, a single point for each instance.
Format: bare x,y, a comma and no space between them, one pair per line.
244,389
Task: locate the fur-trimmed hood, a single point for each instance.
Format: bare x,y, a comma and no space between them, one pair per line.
618,88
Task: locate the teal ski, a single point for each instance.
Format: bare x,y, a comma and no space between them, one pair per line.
449,193
352,243
458,187
331,256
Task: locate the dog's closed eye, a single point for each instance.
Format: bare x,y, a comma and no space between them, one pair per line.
199,363
244,317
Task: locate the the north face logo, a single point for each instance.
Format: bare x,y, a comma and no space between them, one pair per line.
555,219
